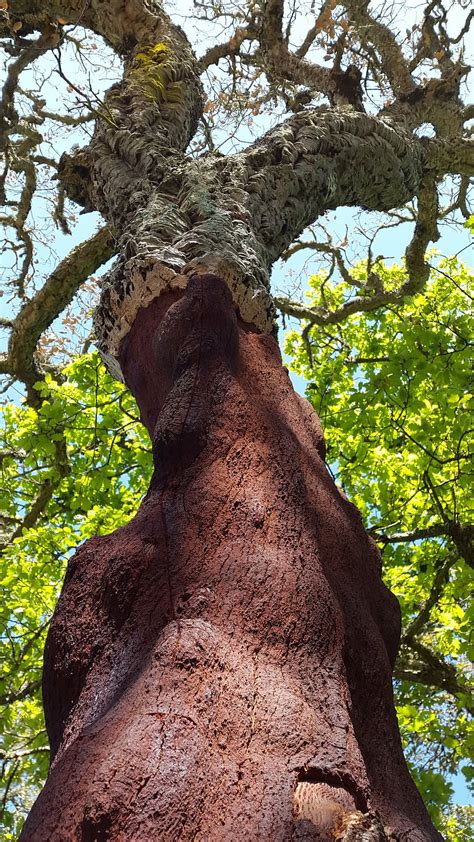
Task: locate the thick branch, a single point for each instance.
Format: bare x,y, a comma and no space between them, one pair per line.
122,25
372,31
426,231
429,669
48,39
342,87
230,47
323,159
286,65
419,673
450,156
371,298
436,531
27,752
158,103
439,581
57,292
359,304
319,24
46,491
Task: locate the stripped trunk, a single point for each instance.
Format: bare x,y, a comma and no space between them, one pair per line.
220,668
235,638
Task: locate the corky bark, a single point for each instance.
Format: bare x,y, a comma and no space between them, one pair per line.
235,638
234,642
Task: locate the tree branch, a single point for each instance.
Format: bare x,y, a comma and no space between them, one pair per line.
359,304
440,580
426,231
327,158
372,31
48,39
319,25
450,156
230,47
27,752
19,695
323,248
436,531
418,269
57,292
430,670
286,65
39,504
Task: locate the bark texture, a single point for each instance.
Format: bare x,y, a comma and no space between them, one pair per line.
235,215
220,668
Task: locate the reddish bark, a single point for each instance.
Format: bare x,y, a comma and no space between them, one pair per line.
235,637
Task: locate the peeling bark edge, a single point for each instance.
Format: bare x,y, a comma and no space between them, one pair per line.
142,284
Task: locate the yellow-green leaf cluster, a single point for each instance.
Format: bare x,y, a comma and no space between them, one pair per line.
393,388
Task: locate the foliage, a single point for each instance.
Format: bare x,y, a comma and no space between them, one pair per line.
392,390
96,488
458,826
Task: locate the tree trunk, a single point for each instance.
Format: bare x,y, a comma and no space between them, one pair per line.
220,668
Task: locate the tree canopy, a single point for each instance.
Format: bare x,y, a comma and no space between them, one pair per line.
385,347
